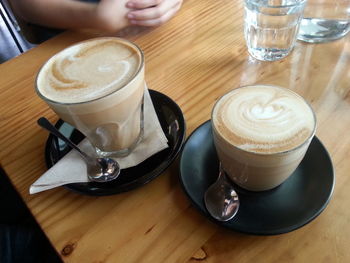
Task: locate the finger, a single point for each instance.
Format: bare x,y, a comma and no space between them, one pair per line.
157,21
153,12
140,4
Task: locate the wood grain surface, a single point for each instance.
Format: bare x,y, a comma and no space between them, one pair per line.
195,58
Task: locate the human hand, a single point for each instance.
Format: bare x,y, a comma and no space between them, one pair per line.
152,12
112,14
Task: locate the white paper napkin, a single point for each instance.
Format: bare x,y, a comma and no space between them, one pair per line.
72,169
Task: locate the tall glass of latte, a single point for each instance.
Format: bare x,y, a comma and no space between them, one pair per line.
261,134
97,86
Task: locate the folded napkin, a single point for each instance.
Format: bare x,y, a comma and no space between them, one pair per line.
72,168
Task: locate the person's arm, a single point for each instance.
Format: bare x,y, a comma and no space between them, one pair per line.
152,12
108,15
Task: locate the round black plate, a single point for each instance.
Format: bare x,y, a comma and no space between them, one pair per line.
173,124
289,206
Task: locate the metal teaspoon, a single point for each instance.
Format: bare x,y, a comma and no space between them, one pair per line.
220,199
98,169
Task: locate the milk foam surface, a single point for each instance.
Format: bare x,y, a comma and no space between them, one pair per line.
264,119
88,70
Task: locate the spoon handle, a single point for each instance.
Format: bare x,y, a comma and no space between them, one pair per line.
44,123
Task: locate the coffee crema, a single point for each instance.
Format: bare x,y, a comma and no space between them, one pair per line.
264,119
88,70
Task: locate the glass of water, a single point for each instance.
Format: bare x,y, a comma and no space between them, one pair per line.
325,21
271,27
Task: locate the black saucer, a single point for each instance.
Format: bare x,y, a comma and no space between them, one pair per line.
173,124
289,206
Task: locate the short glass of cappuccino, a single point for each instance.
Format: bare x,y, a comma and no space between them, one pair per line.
261,134
97,86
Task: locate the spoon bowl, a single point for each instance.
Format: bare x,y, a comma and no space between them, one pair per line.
221,200
108,170
98,169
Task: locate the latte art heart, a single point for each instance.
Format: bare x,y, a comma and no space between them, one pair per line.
86,72
264,119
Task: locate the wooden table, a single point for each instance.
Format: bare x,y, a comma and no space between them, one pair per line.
194,58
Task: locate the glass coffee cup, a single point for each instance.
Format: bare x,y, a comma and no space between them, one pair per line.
97,86
261,134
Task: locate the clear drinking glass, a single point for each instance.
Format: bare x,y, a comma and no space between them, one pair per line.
325,20
271,27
